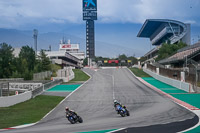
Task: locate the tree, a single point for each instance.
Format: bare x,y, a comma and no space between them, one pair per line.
45,62
122,57
169,49
28,54
133,59
142,59
6,60
85,62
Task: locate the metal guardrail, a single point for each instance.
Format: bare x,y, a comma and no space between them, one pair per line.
12,79
46,86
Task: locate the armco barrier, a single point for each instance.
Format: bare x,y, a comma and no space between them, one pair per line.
39,90
12,100
176,83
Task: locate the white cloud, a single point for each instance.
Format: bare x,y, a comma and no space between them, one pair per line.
59,21
19,12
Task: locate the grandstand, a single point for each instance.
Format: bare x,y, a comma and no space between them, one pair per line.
160,31
64,59
184,55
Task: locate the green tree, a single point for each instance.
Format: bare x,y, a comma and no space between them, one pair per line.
28,54
85,62
169,49
122,57
45,62
54,69
6,60
133,59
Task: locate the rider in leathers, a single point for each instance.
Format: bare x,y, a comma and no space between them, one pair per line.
118,103
70,112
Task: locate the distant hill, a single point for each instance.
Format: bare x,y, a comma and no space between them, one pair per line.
18,38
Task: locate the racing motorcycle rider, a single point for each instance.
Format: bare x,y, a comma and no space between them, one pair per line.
70,112
118,103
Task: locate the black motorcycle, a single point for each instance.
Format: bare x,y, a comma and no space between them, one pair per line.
73,118
122,111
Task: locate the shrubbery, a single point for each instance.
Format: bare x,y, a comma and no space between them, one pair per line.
23,66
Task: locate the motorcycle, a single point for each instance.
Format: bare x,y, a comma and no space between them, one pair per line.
122,111
73,118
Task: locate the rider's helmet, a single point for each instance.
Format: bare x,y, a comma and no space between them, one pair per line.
115,101
66,109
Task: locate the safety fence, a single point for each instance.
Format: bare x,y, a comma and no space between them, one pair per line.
9,96
176,83
191,74
46,86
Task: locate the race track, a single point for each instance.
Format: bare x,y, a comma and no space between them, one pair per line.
94,103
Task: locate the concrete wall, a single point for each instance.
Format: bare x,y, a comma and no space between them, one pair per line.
65,74
12,100
41,75
176,83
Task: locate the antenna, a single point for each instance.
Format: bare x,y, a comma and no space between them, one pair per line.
49,47
35,34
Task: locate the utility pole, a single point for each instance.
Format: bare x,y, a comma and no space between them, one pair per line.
35,34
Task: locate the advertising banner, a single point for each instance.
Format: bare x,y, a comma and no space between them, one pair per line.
69,46
89,5
89,9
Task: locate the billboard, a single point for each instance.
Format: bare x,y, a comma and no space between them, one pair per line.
89,9
89,5
69,46
89,15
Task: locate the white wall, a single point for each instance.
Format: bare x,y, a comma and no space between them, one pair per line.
176,83
65,74
12,100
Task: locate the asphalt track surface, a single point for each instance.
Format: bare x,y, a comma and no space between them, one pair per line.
149,110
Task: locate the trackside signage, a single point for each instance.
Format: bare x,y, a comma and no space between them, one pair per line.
89,5
69,46
89,9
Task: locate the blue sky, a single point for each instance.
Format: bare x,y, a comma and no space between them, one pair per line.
118,22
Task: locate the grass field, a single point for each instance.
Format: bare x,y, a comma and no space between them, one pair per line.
80,76
28,112
139,72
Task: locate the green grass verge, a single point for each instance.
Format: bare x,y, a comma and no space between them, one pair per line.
139,72
28,112
198,84
80,76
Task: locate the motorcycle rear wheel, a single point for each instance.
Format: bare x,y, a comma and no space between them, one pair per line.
80,119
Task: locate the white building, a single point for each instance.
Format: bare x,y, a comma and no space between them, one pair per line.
72,49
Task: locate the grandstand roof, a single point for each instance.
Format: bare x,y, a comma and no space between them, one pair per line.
151,25
152,50
182,54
